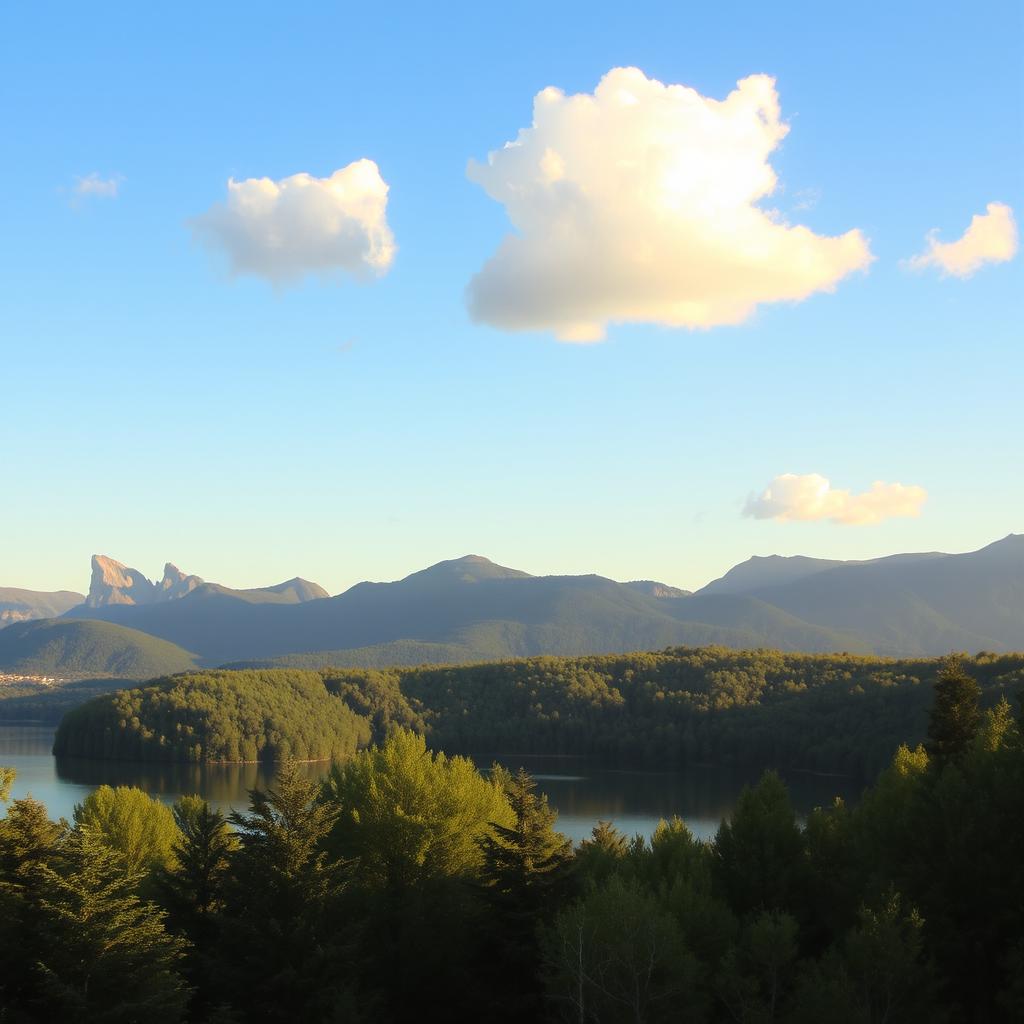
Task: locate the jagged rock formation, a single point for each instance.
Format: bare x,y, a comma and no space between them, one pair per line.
115,583
176,584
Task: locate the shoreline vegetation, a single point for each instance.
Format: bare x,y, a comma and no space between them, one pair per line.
409,885
840,715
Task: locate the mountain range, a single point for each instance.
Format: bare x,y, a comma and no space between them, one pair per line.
470,609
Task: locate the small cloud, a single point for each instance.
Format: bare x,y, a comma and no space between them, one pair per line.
282,230
991,237
93,185
809,497
639,203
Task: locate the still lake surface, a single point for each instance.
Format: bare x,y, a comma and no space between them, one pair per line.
582,790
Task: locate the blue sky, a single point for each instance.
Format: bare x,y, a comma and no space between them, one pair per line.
158,408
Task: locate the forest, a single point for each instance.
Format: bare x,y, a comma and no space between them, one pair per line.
832,713
216,716
410,886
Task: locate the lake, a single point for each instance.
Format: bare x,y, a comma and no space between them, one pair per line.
582,790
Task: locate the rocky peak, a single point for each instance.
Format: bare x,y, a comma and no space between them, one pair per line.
176,584
115,583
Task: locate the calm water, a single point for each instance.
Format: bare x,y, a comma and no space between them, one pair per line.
580,789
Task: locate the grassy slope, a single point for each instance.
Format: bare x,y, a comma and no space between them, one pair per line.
84,648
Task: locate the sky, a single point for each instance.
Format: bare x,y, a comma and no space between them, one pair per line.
277,299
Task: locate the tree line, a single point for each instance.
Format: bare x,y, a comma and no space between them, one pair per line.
831,713
409,885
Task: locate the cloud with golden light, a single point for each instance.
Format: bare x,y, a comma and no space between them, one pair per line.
991,237
638,203
809,497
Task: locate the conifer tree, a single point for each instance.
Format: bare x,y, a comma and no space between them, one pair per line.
525,867
284,926
192,888
106,955
28,841
955,718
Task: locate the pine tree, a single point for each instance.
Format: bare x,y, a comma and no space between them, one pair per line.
192,889
524,871
955,717
284,929
105,953
28,842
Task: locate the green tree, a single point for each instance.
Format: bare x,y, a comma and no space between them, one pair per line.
282,955
28,842
618,955
759,853
192,888
524,873
7,777
409,814
137,826
755,977
955,718
106,955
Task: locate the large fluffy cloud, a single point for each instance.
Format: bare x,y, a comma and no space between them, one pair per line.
991,237
282,230
810,496
639,203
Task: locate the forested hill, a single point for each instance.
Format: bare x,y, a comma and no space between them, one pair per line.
758,709
470,609
216,716
77,649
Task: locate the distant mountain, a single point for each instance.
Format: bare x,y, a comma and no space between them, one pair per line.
922,605
760,572
471,609
68,647
114,583
654,589
24,605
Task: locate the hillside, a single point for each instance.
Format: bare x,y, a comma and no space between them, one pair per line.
215,716
470,609
73,648
18,605
841,713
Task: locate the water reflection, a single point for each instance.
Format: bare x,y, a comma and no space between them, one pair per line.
581,790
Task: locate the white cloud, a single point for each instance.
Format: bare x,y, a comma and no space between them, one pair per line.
94,185
282,230
991,237
637,203
810,496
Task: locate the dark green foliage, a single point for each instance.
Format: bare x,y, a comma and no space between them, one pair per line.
284,925
102,954
73,648
465,904
524,872
617,954
759,854
955,716
7,777
216,716
835,713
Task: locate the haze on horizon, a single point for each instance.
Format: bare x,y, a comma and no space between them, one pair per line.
427,300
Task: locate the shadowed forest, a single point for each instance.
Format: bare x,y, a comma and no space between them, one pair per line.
410,886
